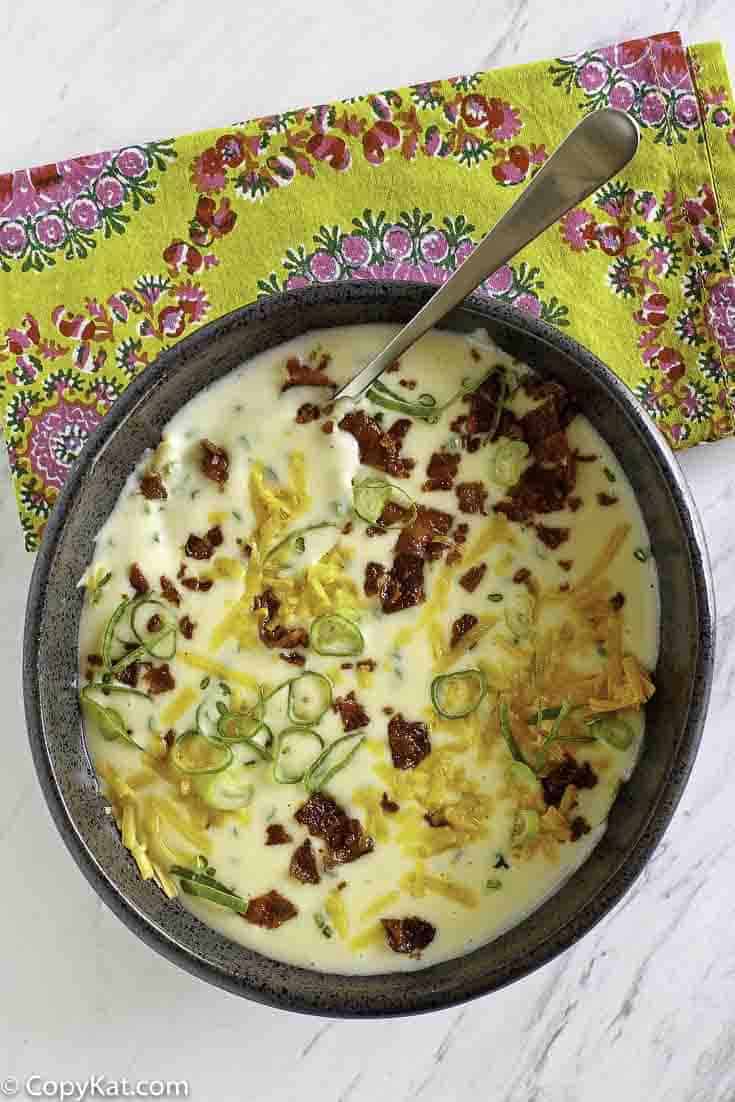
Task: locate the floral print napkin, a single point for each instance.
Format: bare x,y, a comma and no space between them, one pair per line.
107,259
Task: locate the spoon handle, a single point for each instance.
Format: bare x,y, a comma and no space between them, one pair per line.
598,148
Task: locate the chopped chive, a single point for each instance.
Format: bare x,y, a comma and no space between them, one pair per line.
322,925
641,554
609,474
500,862
602,650
204,683
495,597
236,515
493,884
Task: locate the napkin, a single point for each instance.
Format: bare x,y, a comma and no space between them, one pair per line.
107,259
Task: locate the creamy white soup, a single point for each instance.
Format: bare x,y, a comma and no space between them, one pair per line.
361,681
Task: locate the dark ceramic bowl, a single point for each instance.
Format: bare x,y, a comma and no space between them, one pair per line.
675,716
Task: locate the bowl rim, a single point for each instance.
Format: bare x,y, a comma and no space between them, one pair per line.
657,820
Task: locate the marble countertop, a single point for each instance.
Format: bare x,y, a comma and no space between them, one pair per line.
642,1007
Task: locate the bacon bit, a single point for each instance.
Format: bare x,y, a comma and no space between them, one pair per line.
564,587
521,576
159,679
347,528
568,771
352,713
409,742
538,389
394,367
347,665
129,676
270,910
154,624
579,826
95,659
201,585
187,627
276,835
410,384
607,499
181,571
137,579
245,548
420,538
215,463
552,537
387,710
471,497
301,374
436,818
368,664
483,412
152,487
461,626
306,413
473,577
342,885
377,448
388,805
574,503
169,738
617,601
542,422
404,585
214,536
328,428
293,657
279,636
441,471
566,564
584,458
460,533
169,591
408,935
303,865
324,818
197,547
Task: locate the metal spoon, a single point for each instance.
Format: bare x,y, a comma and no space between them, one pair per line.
598,148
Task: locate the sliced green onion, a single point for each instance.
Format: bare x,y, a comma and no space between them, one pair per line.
613,730
332,760
158,645
495,597
203,890
286,552
562,714
424,409
507,733
309,697
109,720
211,707
144,649
526,826
519,615
109,637
493,885
543,714
455,695
228,790
522,775
508,461
195,754
242,727
641,554
371,496
335,636
302,747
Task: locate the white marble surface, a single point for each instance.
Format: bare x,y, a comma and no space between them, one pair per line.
642,1008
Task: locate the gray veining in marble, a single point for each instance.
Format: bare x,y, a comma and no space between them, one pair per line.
642,1008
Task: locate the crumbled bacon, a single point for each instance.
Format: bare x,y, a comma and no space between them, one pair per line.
426,537
328,428
552,537
377,448
276,835
441,471
461,626
388,805
129,676
293,657
306,413
95,660
574,503
186,626
138,580
566,564
215,463
270,910
159,679
617,601
324,818
408,935
404,585
568,771
484,413
521,576
303,865
279,636
460,533
155,623
214,536
352,713
197,547
367,664
169,591
471,497
436,818
473,577
579,826
152,487
606,499
198,585
409,742
301,374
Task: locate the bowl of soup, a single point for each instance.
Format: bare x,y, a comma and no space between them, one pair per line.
403,690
